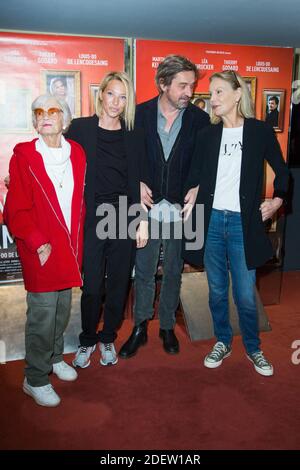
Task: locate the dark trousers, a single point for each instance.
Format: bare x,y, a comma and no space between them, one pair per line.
113,257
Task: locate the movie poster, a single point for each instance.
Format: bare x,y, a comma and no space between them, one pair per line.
32,64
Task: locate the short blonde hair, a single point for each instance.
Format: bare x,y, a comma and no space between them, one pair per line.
129,111
245,105
40,102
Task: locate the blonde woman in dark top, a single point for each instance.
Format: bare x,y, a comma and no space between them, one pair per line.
114,152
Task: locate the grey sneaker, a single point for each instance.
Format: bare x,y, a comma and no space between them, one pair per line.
44,396
261,364
108,354
215,358
82,358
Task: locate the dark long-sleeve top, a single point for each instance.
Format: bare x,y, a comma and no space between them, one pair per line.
111,166
84,131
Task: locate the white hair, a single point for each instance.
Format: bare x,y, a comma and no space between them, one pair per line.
40,102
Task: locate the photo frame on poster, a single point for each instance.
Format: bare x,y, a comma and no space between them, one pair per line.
202,100
93,94
15,110
65,84
251,83
273,105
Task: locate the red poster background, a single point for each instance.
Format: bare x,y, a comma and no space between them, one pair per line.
24,56
28,62
211,58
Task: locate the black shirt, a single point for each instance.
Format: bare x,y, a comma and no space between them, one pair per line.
111,166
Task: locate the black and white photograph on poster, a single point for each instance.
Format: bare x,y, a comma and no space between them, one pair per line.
64,85
202,100
251,84
93,94
15,114
10,266
273,104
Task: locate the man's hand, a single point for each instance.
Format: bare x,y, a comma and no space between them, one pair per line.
189,202
44,252
142,234
146,196
268,208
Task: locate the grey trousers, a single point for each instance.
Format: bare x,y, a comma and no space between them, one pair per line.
48,314
144,285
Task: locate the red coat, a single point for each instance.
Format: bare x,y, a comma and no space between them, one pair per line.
33,216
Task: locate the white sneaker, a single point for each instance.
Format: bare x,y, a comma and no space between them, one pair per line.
64,371
108,354
44,396
261,363
82,358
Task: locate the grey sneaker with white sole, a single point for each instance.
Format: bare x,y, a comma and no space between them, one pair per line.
108,354
219,352
82,358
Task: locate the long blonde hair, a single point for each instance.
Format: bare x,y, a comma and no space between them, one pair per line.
245,105
129,111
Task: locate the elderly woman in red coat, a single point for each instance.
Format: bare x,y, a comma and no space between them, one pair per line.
44,211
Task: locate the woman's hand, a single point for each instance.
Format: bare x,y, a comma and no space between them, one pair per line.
189,202
44,252
268,208
7,181
142,234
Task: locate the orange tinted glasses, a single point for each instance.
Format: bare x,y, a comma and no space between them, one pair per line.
41,113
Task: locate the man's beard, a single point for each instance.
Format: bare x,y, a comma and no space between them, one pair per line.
182,103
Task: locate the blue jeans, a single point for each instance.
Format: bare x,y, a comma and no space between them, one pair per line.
225,249
145,269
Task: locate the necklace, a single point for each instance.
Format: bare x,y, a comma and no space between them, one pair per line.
57,162
60,181
56,171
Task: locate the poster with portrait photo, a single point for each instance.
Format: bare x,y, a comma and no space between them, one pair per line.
202,100
273,104
93,95
64,85
251,84
15,110
10,265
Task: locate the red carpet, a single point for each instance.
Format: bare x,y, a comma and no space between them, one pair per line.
158,401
